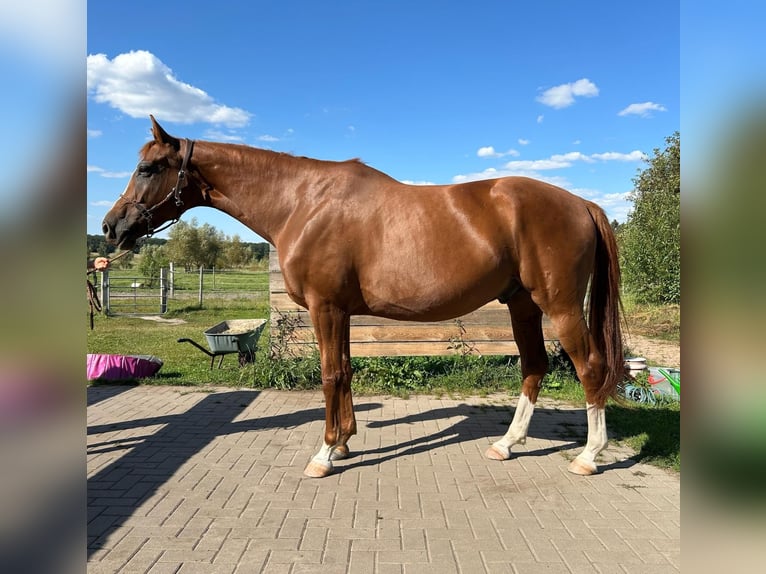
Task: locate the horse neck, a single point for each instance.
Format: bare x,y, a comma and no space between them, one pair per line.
259,188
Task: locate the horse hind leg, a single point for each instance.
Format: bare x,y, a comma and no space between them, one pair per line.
589,363
526,319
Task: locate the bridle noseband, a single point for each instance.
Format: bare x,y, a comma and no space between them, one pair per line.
175,193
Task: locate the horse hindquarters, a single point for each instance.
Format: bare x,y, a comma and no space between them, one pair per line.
556,268
596,348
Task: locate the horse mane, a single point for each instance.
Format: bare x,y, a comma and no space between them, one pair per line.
146,147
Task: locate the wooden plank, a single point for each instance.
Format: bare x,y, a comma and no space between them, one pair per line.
489,314
415,349
487,329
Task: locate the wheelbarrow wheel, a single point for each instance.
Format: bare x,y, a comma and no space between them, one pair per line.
246,357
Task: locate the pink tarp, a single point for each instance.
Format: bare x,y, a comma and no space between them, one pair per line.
121,367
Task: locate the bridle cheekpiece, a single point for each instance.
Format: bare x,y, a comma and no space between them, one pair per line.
175,194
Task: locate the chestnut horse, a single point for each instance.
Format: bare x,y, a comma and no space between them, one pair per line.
354,241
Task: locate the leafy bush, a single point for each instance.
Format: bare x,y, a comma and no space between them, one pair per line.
285,373
153,259
650,241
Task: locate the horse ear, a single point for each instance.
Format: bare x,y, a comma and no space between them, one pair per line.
161,136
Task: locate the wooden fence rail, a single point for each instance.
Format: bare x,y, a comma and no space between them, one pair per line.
487,330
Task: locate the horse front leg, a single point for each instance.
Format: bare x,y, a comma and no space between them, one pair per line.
347,417
331,326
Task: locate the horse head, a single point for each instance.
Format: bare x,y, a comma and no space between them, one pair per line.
161,188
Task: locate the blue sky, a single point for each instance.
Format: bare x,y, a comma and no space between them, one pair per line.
428,92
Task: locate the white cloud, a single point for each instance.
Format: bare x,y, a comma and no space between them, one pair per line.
105,173
540,118
102,203
559,161
489,151
644,109
635,155
522,141
563,96
138,84
616,205
94,133
268,138
538,164
220,136
572,156
532,168
410,182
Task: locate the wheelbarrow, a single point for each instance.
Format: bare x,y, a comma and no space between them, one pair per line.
233,336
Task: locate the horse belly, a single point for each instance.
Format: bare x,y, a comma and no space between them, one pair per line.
411,296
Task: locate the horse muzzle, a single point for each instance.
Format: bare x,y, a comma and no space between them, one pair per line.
123,232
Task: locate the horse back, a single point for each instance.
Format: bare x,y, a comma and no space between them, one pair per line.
431,252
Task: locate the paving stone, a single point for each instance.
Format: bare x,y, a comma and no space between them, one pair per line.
183,480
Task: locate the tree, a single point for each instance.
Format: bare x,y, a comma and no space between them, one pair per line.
193,246
236,253
97,244
183,246
211,246
125,261
153,258
260,250
651,237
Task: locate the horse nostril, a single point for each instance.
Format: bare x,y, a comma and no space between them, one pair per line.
105,228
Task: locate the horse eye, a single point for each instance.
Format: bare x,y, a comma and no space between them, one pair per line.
147,169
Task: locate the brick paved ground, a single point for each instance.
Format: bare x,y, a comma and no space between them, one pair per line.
211,481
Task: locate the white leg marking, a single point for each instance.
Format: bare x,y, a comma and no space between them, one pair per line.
517,432
597,441
321,464
324,455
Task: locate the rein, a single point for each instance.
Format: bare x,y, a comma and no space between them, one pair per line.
93,301
174,193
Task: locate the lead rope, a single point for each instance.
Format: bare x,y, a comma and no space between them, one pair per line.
94,303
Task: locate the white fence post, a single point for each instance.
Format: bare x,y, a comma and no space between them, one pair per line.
172,280
163,291
105,291
201,274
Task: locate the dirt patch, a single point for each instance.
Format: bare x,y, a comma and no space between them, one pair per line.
656,351
162,320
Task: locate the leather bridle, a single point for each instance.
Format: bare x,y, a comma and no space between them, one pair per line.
175,194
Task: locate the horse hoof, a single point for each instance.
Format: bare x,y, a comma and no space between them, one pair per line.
339,453
582,467
495,453
316,469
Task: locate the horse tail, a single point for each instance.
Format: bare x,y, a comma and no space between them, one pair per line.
605,306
